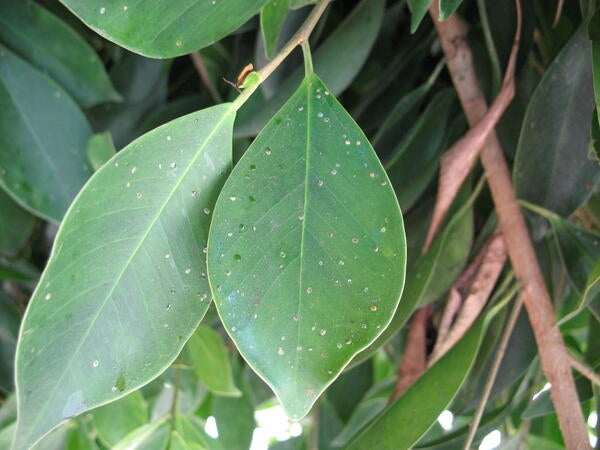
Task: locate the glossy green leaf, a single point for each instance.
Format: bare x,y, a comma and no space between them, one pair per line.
415,161
271,18
337,66
293,255
117,419
448,7
100,149
434,272
552,168
418,10
164,28
16,225
43,135
53,47
210,360
152,436
410,410
125,286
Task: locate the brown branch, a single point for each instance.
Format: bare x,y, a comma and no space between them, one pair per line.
584,370
553,355
414,359
489,384
203,73
457,162
476,285
558,13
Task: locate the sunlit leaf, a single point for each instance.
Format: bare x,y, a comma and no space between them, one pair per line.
100,149
271,18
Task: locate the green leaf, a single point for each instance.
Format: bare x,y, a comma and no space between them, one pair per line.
552,168
332,60
125,286
414,163
417,409
164,28
434,272
10,319
43,136
271,18
235,416
210,360
16,225
100,149
57,50
117,419
418,10
448,7
152,436
303,277
596,71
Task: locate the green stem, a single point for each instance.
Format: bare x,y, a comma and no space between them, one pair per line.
297,39
308,64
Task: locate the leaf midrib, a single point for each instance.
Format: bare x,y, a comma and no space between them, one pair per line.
125,267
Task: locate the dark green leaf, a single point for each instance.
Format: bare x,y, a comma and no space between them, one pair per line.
410,410
10,318
418,10
271,18
596,71
552,168
100,149
16,225
53,47
210,360
293,257
332,60
125,286
164,28
43,135
117,419
448,7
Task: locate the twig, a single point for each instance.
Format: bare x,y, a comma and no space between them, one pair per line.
553,354
414,359
489,384
478,281
457,162
584,370
559,8
196,58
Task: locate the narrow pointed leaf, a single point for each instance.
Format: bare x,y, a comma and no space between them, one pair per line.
53,47
552,168
43,135
164,28
210,360
307,249
417,409
271,18
418,10
125,286
448,7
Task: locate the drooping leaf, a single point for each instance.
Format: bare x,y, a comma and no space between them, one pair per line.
418,10
552,168
210,360
303,277
164,28
53,47
448,7
332,60
411,410
271,18
16,225
43,135
125,286
100,149
117,419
